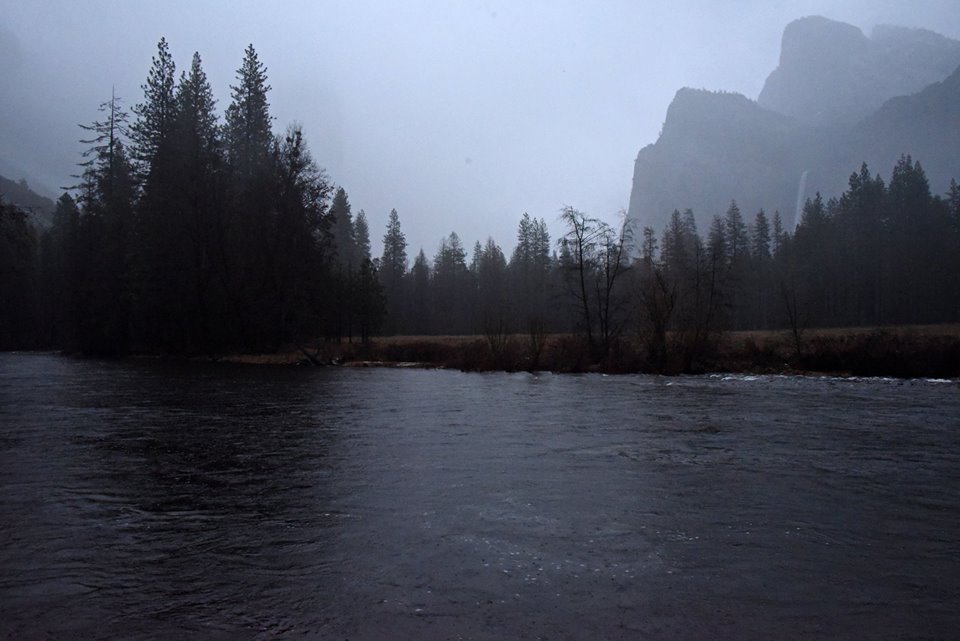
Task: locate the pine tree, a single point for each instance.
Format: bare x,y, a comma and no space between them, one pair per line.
199,200
758,282
18,279
151,132
255,182
524,250
342,231
393,266
420,319
159,255
953,201
476,255
394,262
680,244
779,236
529,271
370,305
451,281
720,269
862,226
491,279
105,288
60,271
347,266
953,235
718,242
812,289
248,128
736,235
296,288
916,280
361,235
760,237
649,245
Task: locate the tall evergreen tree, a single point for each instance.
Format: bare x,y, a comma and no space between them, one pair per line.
718,242
249,134
105,289
953,225
361,235
60,273
760,236
346,263
779,235
369,305
251,160
19,311
736,235
451,287
159,259
917,282
491,278
342,231
806,280
393,265
295,295
529,271
151,132
420,317
953,201
861,224
758,284
199,200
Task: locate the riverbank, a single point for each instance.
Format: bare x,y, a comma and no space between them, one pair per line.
905,352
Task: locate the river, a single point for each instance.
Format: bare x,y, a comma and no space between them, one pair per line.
143,500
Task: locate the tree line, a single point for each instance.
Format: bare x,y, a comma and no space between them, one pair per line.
880,254
188,234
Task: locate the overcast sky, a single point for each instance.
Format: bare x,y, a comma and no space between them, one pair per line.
461,115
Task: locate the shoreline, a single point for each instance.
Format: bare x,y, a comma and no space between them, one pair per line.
931,351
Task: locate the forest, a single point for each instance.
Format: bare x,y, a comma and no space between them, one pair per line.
188,234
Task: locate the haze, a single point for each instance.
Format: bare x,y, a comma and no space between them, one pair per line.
462,116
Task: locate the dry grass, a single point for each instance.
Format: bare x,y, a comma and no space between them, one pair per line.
903,351
907,351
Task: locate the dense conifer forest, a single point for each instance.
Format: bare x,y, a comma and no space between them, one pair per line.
192,234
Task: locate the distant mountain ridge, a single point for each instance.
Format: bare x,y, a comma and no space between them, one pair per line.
925,124
716,146
19,193
830,73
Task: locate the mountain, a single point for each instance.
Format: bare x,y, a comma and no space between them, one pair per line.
20,194
716,147
925,125
830,73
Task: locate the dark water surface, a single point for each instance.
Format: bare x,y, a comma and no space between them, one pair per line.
154,500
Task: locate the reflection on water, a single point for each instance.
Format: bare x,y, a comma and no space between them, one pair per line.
156,500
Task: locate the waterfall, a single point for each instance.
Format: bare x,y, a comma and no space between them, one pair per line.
801,198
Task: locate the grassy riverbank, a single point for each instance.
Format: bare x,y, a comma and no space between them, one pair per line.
913,351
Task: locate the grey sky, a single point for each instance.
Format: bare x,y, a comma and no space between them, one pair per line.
461,115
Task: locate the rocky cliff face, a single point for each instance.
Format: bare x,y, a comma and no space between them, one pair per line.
837,99
830,73
715,148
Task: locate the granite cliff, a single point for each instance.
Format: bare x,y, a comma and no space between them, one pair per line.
837,99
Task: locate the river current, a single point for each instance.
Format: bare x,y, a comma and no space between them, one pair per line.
143,500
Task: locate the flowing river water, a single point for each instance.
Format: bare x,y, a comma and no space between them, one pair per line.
159,500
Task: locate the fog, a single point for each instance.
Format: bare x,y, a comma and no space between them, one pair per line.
462,116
